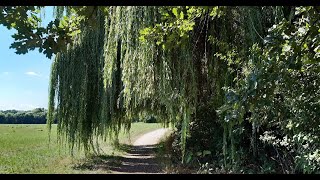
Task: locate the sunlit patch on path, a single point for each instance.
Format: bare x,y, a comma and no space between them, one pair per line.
140,158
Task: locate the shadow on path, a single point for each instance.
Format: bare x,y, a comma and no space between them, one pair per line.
138,159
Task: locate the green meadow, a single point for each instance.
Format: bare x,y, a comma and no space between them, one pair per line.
26,149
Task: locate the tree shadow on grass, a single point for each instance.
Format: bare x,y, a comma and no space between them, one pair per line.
138,159
95,162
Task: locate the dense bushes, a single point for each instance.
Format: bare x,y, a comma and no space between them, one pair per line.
268,119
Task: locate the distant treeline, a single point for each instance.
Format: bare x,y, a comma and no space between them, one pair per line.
35,116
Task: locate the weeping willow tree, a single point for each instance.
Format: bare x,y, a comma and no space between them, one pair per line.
220,75
184,64
77,89
86,86
110,76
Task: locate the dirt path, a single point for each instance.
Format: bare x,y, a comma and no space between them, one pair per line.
150,138
141,156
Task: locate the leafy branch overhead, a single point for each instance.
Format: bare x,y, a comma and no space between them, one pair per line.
51,39
239,84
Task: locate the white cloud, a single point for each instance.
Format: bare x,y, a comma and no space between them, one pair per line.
31,73
6,75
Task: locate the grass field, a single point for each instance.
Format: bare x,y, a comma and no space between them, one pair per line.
26,149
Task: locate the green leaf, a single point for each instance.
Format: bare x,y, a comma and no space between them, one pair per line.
206,152
189,157
181,15
175,12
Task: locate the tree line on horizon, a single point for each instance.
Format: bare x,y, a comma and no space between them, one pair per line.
34,116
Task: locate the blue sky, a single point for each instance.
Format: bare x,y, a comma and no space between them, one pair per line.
24,79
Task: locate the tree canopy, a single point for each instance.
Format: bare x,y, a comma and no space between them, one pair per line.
248,75
35,116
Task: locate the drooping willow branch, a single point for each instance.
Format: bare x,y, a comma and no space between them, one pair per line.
108,77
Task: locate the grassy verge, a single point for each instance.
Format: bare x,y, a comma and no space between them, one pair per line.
163,153
26,149
165,157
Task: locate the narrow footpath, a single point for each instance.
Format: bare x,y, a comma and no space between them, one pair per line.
141,156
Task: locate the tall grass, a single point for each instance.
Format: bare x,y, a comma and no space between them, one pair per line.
26,149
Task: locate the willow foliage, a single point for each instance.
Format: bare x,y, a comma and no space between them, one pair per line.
108,77
86,80
76,88
176,62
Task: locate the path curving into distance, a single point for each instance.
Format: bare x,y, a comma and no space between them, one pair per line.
140,158
151,138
